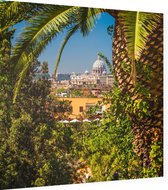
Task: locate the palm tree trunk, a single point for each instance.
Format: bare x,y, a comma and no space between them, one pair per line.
148,129
150,75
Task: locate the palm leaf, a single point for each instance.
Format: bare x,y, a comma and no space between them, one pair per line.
137,27
36,36
69,34
8,8
14,12
85,20
28,61
39,29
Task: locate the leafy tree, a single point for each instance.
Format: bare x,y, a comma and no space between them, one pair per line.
33,95
10,14
60,109
33,147
76,93
44,68
51,161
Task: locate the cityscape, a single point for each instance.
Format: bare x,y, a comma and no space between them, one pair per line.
89,88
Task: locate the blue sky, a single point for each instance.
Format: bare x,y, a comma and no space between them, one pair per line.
80,52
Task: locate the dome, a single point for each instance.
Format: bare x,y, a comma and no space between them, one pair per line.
73,73
98,66
86,72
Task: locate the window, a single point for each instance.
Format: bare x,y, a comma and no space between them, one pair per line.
81,109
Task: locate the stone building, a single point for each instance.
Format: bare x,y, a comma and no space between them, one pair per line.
97,76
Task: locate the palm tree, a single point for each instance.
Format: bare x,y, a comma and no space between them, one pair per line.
138,46
138,63
137,42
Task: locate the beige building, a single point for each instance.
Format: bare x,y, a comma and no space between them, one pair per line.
80,105
106,80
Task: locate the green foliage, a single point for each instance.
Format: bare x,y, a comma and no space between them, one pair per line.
156,165
33,146
126,67
108,146
60,90
92,111
109,65
60,109
76,93
51,165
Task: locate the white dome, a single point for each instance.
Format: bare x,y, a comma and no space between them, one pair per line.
86,72
73,73
98,66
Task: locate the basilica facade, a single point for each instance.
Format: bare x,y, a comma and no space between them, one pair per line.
98,75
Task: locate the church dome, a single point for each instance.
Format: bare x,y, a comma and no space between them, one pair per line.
98,66
86,72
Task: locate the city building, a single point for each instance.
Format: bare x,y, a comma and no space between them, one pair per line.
81,105
98,75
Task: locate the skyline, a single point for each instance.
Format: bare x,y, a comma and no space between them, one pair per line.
80,52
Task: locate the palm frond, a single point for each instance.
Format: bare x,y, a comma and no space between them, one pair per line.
137,27
40,29
14,12
3,7
9,8
19,82
28,60
36,36
69,34
85,21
